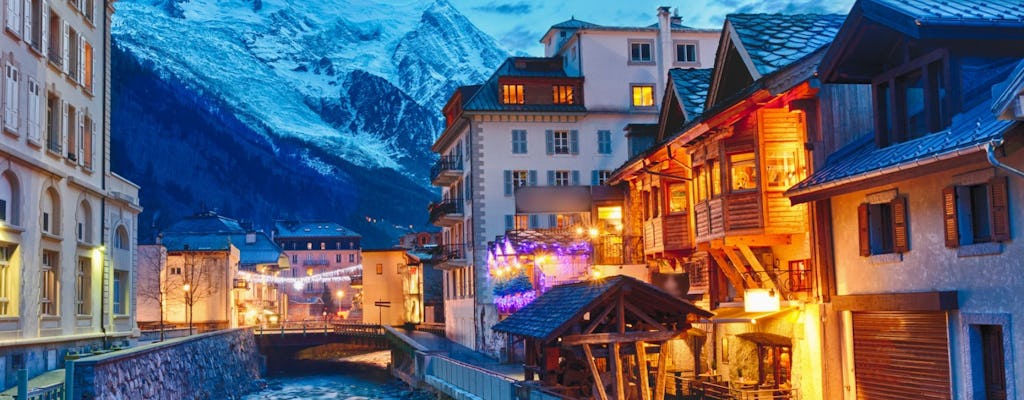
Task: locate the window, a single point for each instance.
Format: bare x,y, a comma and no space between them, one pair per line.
323,246
783,167
56,45
910,101
351,258
686,53
309,245
34,23
83,284
174,270
337,258
600,177
512,94
742,172
83,226
6,250
50,284
74,57
53,126
295,258
121,240
640,52
380,269
87,66
643,95
88,8
976,213
11,103
517,178
882,223
14,16
700,182
677,197
604,142
560,178
49,209
72,124
564,94
561,142
518,141
120,294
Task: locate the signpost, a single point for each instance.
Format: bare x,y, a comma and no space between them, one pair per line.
381,305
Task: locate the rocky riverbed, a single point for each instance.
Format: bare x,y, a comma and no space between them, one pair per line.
356,377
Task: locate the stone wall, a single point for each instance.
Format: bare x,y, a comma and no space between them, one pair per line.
217,365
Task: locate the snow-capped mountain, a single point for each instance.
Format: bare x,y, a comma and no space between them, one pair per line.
325,90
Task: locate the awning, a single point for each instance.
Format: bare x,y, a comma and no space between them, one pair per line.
766,339
727,315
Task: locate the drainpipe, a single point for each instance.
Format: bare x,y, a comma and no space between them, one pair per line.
104,127
990,150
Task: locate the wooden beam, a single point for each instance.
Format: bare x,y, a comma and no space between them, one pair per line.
620,390
646,318
737,265
645,384
595,321
593,371
759,240
659,379
620,313
730,273
767,280
628,337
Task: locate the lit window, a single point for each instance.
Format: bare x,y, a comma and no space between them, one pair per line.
783,168
686,52
5,279
677,197
643,96
640,52
83,282
50,284
512,94
87,66
564,94
520,178
743,172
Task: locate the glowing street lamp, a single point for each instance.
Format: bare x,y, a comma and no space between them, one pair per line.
186,288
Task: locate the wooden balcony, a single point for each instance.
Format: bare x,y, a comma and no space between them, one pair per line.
667,233
446,170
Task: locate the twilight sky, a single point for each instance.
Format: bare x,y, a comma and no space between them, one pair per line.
519,24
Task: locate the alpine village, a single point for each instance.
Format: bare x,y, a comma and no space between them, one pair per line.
793,206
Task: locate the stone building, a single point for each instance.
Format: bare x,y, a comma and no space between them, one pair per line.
67,223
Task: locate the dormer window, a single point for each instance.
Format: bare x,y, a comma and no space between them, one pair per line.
564,94
911,100
512,94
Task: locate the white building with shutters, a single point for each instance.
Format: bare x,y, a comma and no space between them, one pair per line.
558,120
67,223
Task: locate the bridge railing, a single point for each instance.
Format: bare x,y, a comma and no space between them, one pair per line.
323,327
458,378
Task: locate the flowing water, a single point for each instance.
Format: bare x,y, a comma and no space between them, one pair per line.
351,378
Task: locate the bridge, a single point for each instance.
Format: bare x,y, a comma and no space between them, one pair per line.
284,342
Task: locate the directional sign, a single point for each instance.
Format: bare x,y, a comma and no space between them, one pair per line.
385,304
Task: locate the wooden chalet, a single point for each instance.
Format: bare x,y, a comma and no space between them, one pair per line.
601,339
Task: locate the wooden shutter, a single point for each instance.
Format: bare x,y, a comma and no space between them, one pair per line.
533,177
508,183
864,230
949,217
65,57
63,120
595,177
574,142
14,16
80,72
44,27
900,241
999,207
10,96
551,178
901,355
81,138
33,110
91,132
27,12
549,141
510,221
575,178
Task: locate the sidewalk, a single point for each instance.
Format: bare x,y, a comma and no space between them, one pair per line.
464,354
45,379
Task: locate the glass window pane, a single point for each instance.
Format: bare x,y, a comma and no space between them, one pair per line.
743,171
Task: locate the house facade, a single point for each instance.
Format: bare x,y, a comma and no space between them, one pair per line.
391,292
317,249
556,120
67,223
920,287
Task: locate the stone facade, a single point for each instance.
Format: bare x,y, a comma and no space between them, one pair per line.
219,365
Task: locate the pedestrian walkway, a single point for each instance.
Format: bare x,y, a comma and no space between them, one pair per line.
458,352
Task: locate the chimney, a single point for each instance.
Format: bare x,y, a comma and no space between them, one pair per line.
676,19
250,238
665,53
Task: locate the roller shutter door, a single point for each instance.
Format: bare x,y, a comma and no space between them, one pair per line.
901,355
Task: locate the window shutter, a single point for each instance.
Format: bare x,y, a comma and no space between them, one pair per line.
900,241
64,120
534,221
999,207
80,139
575,178
510,221
10,94
14,18
552,221
80,72
515,141
44,23
949,217
551,178
10,14
574,142
595,178
864,230
28,22
508,182
88,145
65,58
33,110
533,177
549,141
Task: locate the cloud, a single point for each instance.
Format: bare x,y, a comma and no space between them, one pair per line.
516,8
520,38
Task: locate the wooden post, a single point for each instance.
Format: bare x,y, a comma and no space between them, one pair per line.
645,384
531,359
659,379
620,390
593,370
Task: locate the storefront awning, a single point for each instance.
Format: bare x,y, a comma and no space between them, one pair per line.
728,315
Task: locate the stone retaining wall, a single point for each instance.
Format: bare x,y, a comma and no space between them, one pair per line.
217,365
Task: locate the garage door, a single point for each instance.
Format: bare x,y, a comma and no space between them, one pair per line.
901,355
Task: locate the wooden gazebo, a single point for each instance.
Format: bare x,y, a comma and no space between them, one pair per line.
593,339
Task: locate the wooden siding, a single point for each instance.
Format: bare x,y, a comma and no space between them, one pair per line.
710,220
782,217
743,211
842,109
653,242
676,228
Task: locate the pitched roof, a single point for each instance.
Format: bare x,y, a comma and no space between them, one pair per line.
962,12
487,97
1008,92
262,251
195,241
862,159
547,316
290,229
574,24
205,222
773,41
691,87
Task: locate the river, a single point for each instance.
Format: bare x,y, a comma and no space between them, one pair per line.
357,377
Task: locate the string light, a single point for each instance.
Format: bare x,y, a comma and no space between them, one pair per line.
298,282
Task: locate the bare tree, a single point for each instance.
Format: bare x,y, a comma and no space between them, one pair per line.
153,284
195,278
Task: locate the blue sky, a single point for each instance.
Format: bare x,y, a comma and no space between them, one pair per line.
519,24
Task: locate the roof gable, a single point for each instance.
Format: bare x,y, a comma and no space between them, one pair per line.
684,99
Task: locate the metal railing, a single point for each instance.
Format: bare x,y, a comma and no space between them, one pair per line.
445,207
443,373
618,249
54,391
445,163
452,251
322,327
790,280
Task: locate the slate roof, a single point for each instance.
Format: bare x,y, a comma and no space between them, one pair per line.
195,241
861,158
1008,91
208,231
774,41
205,222
691,87
967,12
263,251
287,229
487,97
574,24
